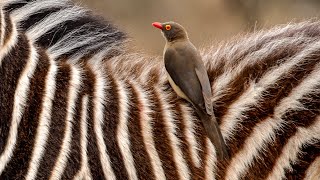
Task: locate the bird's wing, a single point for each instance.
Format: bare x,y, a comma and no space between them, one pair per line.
205,86
182,71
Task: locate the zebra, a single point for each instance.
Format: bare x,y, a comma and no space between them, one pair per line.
74,106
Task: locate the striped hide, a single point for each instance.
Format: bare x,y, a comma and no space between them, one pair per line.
76,104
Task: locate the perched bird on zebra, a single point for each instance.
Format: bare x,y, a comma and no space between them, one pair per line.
188,77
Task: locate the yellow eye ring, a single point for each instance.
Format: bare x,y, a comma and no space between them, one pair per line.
168,27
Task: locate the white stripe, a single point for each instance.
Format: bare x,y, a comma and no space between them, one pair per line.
252,58
264,132
98,109
84,172
12,41
54,20
190,134
6,2
122,131
66,143
31,8
20,98
44,122
235,50
211,161
254,93
99,50
3,27
146,130
313,172
74,59
170,124
292,149
73,41
99,56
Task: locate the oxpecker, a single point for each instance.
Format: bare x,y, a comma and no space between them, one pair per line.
189,79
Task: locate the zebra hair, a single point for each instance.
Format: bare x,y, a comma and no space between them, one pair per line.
65,30
120,119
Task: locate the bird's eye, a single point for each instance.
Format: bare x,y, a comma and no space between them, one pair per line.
168,27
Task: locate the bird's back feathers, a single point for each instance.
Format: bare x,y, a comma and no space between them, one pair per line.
184,65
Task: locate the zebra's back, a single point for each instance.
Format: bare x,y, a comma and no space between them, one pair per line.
63,118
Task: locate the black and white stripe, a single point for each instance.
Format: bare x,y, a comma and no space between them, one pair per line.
76,105
66,31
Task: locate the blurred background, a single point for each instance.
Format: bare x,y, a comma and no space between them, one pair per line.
207,21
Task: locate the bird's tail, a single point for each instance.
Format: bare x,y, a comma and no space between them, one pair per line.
213,131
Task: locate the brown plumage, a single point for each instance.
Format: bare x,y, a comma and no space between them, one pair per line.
189,79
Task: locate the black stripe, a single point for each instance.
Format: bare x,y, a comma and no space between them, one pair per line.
91,23
309,152
176,103
8,29
14,66
10,70
138,149
11,7
311,103
111,121
161,139
74,161
18,166
262,166
306,117
85,50
201,139
199,133
265,106
241,53
253,73
37,17
88,50
310,30
58,122
93,151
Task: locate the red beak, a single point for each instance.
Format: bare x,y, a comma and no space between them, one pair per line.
157,25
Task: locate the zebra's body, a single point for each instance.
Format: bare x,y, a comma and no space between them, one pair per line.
72,110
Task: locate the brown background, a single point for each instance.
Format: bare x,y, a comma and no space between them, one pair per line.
207,21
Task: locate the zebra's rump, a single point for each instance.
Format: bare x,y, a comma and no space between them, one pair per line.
67,113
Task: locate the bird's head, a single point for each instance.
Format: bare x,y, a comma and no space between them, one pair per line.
172,31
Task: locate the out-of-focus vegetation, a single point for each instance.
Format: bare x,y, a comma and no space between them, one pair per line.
207,21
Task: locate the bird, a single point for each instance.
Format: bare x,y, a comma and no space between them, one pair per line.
188,77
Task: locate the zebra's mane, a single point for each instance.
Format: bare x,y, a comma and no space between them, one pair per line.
68,31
